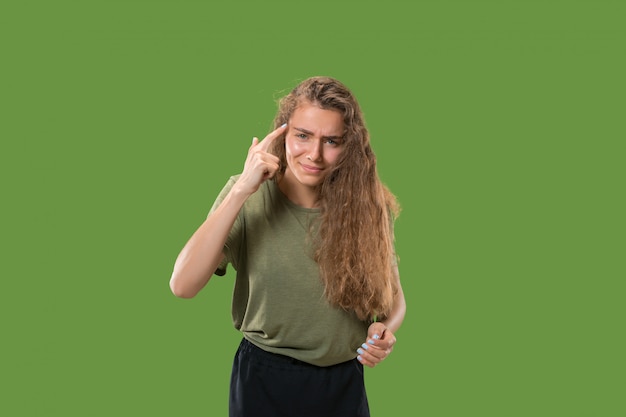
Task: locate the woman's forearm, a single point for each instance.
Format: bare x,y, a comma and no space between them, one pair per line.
201,255
394,320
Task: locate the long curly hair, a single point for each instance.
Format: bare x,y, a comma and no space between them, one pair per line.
353,245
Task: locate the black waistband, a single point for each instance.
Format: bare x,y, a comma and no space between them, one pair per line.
257,353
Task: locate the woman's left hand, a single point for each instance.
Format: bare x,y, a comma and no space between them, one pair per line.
378,346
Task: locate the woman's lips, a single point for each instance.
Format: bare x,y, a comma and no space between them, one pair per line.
311,169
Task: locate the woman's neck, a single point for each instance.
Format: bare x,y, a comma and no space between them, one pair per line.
299,194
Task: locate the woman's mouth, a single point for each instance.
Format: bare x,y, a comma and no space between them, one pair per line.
311,169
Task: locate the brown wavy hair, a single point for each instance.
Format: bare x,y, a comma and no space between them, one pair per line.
354,240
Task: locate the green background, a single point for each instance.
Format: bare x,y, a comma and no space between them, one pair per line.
498,124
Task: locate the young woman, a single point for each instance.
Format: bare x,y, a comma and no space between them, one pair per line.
308,226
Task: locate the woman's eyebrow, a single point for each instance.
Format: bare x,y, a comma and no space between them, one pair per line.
308,132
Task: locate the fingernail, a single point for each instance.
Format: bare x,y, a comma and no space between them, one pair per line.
360,358
359,351
364,346
284,124
371,342
376,336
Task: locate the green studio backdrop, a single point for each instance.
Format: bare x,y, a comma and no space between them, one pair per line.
498,124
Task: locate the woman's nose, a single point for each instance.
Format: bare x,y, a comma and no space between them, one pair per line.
315,151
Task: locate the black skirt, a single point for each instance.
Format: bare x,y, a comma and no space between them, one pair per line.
266,384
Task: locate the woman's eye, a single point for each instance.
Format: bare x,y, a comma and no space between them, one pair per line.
301,135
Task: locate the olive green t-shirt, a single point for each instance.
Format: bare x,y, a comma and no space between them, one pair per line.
278,301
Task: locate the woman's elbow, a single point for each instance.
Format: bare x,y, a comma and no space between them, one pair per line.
180,290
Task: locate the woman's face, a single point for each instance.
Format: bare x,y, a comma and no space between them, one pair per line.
313,142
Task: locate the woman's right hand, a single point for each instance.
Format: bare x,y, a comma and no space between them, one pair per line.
260,165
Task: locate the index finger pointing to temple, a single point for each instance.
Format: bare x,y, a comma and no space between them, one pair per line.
267,141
